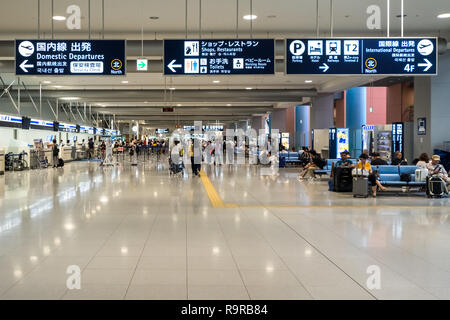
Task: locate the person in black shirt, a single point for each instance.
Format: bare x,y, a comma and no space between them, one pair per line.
398,161
377,161
316,164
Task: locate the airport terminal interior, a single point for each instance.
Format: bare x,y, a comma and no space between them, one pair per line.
221,150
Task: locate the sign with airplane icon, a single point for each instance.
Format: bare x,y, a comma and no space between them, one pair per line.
363,56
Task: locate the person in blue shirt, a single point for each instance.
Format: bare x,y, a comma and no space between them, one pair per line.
345,160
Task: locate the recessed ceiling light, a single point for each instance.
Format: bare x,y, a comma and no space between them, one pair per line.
46,82
250,17
444,16
172,88
70,98
178,105
228,104
248,88
59,18
145,101
57,87
216,81
308,81
124,81
154,18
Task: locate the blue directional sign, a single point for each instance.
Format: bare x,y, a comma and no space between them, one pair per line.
381,56
218,57
70,57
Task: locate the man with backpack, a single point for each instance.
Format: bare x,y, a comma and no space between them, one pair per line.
55,153
90,149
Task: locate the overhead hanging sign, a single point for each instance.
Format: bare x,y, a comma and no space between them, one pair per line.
383,56
218,57
70,57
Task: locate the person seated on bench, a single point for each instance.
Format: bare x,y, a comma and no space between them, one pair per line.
435,168
316,164
345,160
305,157
398,159
377,161
424,160
364,164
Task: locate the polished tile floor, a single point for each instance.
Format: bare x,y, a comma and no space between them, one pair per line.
136,233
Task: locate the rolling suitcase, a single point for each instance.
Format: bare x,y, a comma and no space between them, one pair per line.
60,163
360,187
343,179
435,187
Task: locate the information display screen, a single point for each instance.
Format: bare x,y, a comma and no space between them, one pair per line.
219,57
70,57
384,56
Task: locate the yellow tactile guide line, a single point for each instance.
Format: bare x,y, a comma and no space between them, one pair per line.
217,202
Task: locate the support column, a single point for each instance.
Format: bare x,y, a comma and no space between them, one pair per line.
431,97
302,126
322,112
356,100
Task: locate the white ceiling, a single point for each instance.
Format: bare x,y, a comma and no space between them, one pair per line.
218,16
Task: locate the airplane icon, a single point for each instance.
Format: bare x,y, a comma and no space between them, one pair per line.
27,47
424,45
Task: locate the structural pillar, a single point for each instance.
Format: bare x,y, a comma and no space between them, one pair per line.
431,97
356,100
322,112
302,128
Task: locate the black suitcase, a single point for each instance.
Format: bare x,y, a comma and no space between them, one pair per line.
60,163
343,181
435,187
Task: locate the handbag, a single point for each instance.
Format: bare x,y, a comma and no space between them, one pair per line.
406,177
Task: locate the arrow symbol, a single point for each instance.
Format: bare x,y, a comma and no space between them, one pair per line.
24,66
172,66
142,64
427,65
325,67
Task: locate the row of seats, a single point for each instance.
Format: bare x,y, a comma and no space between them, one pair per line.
330,162
289,158
390,175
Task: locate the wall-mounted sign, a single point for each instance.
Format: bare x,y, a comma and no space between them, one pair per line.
70,57
142,64
219,57
385,56
421,126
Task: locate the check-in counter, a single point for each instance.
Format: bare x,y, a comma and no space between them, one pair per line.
66,153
